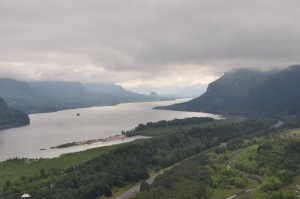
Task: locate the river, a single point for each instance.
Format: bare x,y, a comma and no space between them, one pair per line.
51,129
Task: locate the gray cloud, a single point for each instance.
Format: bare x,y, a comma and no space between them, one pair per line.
140,42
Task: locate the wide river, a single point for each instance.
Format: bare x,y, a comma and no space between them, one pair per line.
51,129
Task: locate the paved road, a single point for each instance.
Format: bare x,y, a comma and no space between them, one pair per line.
129,192
132,191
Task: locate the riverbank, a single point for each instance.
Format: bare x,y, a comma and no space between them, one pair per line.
14,169
52,129
92,141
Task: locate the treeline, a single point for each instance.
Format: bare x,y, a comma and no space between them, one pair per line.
172,123
129,163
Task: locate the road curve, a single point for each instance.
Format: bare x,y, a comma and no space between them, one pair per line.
132,191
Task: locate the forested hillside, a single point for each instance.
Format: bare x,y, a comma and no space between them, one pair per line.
11,118
280,92
245,91
259,168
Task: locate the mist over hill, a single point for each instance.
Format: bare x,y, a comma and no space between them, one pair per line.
244,90
51,96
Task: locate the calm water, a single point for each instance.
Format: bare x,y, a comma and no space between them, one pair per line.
51,129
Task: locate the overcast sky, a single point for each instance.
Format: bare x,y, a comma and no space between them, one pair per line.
145,42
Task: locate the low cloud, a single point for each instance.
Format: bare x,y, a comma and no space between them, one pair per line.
145,42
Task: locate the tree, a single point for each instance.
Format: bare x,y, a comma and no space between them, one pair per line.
42,172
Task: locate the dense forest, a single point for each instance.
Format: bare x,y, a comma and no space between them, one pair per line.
265,167
262,165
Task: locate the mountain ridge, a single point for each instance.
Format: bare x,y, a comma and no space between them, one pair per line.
49,96
245,90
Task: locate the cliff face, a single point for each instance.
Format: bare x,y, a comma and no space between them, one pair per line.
11,118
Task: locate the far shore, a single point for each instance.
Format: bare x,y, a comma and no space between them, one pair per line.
100,140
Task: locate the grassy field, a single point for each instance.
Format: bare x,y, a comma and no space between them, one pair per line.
13,170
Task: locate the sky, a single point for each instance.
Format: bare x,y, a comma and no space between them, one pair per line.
145,43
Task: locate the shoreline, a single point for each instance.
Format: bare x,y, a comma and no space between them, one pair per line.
59,152
92,141
65,127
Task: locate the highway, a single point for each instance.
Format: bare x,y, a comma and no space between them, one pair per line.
132,191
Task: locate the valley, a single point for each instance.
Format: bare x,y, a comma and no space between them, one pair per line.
149,99
250,153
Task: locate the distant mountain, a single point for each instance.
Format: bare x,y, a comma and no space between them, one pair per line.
11,118
120,94
153,94
175,91
115,91
13,88
17,95
51,96
110,89
58,89
249,91
37,97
